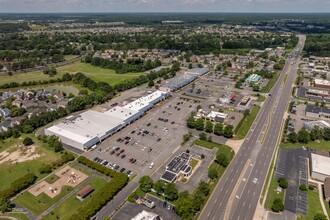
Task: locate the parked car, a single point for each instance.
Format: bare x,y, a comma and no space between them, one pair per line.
151,165
123,156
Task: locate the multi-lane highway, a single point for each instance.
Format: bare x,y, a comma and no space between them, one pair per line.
237,194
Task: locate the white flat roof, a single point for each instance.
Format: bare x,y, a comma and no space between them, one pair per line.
121,113
321,164
86,126
322,82
142,102
90,124
213,114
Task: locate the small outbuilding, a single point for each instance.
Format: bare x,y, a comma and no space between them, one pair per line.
84,192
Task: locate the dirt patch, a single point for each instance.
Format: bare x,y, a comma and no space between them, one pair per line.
19,153
68,176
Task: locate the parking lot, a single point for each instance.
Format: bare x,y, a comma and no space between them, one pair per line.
292,164
130,210
148,140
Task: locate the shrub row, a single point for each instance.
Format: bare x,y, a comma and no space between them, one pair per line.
103,196
57,163
17,186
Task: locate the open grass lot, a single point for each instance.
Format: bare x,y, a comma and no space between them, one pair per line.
52,179
221,147
11,171
69,57
273,194
271,83
244,127
313,205
68,208
322,145
17,215
96,73
41,203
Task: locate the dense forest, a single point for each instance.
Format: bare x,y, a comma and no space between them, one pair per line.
317,45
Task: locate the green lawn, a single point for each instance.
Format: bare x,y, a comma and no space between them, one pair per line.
271,83
313,205
96,73
11,171
41,203
52,178
193,163
69,57
221,147
68,208
273,194
245,125
322,145
19,216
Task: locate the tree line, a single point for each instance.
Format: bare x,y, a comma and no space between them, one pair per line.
201,124
131,65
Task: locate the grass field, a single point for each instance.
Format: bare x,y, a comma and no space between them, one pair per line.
12,171
313,205
273,194
41,203
221,147
244,127
69,57
73,203
52,179
96,73
322,145
19,216
271,83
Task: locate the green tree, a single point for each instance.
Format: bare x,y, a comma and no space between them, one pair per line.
27,141
151,83
303,136
277,205
282,182
184,208
228,131
55,143
218,129
184,194
246,112
171,192
213,173
159,186
199,124
326,134
320,216
303,187
209,127
256,88
293,137
191,122
222,159
146,183
203,136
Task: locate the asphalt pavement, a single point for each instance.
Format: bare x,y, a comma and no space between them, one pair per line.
237,194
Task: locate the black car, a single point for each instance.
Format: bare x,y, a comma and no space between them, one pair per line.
172,122
95,159
148,124
123,156
118,140
159,139
122,170
132,132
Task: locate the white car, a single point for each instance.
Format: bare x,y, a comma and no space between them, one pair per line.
151,165
255,180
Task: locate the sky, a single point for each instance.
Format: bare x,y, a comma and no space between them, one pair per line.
45,6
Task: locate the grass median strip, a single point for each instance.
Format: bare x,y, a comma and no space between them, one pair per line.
245,124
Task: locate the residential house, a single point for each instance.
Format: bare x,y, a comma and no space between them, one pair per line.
4,112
